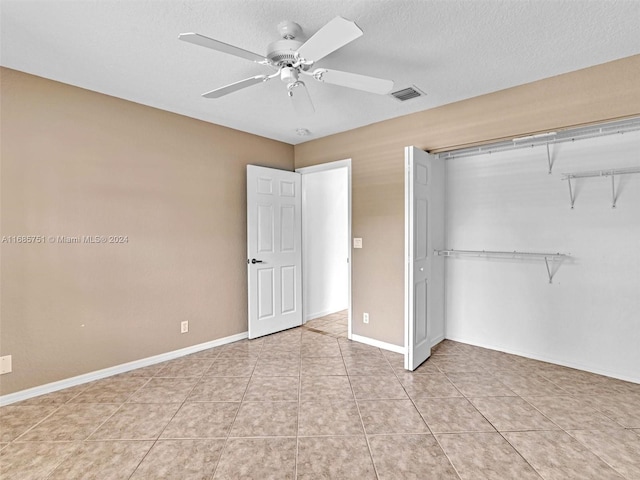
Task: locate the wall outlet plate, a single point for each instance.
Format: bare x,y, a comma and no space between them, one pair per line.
184,326
365,318
5,365
357,243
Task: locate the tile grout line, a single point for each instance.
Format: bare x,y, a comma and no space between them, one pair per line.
80,442
155,441
567,431
598,456
562,429
364,430
16,439
295,465
226,441
494,427
425,420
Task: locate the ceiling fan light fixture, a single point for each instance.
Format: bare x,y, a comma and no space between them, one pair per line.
289,75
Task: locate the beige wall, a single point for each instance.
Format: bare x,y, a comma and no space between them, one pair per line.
599,93
75,163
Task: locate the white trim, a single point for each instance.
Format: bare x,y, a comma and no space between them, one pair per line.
321,168
115,370
437,340
312,316
544,358
408,257
378,343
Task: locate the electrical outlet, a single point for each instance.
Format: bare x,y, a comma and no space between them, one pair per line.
184,326
5,364
365,318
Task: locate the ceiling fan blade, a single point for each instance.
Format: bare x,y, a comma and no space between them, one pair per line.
353,80
234,87
300,98
207,42
335,34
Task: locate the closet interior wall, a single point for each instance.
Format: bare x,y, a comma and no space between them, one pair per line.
587,318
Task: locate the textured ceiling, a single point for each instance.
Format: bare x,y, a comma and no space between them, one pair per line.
450,49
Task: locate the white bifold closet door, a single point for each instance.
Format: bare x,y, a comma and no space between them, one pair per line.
424,271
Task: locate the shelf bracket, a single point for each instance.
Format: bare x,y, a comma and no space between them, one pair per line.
571,197
614,198
546,262
600,173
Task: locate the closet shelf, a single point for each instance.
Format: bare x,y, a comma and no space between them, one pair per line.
599,173
618,127
514,254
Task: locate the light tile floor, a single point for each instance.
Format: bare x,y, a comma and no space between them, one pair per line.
309,404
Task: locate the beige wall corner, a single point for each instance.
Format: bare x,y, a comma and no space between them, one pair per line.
594,94
77,163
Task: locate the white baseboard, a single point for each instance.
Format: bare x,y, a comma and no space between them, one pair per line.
437,340
312,316
389,346
544,358
110,371
377,343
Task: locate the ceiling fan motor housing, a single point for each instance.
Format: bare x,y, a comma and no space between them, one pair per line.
282,52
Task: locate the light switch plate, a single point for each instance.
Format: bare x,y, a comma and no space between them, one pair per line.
357,243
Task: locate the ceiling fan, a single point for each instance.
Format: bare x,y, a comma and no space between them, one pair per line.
292,58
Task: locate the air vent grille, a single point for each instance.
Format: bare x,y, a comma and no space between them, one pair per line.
407,94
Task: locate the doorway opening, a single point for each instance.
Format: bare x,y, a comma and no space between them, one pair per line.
326,247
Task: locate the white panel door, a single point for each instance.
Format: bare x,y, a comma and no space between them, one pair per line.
424,272
274,261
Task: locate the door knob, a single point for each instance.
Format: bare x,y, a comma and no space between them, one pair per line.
253,260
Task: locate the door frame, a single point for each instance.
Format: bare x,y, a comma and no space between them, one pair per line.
315,169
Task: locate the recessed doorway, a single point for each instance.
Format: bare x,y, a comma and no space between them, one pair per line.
326,249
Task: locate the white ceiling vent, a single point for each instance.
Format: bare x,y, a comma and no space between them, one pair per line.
407,93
